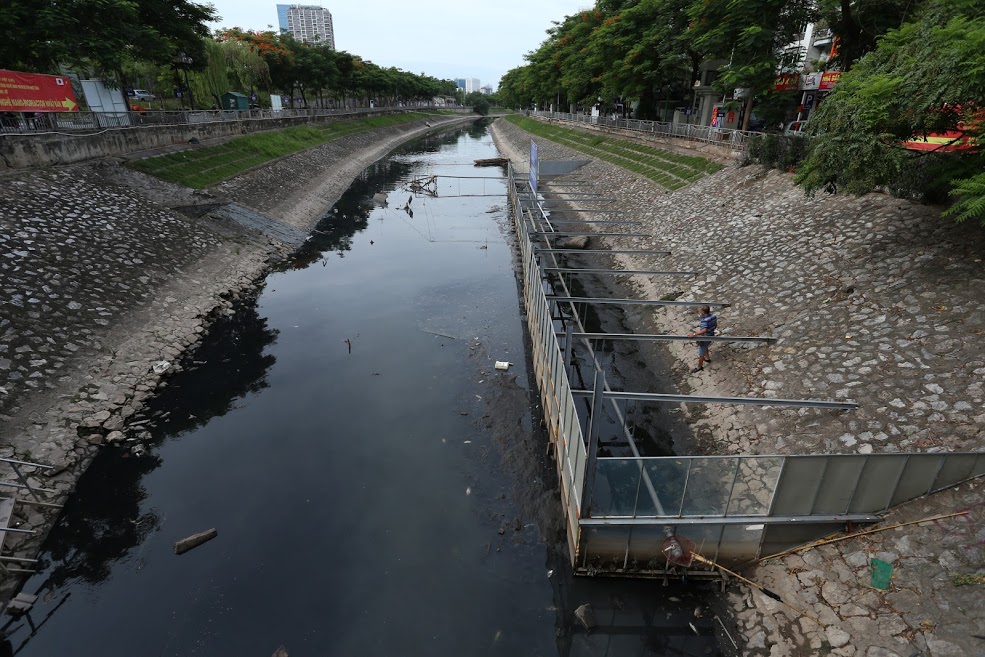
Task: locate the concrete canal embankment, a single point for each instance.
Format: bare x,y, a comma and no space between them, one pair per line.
872,299
105,273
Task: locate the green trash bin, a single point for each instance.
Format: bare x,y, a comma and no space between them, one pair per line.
235,101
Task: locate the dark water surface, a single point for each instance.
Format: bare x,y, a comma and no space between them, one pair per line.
388,500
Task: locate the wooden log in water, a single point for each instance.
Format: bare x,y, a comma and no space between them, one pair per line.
492,162
195,540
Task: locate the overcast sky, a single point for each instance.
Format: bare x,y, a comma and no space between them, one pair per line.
444,38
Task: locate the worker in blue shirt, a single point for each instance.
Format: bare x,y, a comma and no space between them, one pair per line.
708,326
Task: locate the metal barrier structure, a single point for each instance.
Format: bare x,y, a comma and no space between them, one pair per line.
736,140
82,122
10,564
621,511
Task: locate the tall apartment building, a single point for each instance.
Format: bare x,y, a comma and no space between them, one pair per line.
309,23
468,85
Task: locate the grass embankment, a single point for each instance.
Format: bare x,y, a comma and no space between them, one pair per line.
666,168
206,166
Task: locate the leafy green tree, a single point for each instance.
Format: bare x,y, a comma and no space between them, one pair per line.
860,23
641,52
479,102
103,36
753,36
927,77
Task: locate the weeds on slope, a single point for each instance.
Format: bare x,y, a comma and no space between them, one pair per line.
206,166
668,169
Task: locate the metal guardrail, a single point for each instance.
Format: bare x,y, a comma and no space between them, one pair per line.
736,140
551,375
86,122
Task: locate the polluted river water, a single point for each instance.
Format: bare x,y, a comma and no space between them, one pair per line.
377,486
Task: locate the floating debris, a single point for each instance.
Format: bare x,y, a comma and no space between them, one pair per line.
492,162
193,541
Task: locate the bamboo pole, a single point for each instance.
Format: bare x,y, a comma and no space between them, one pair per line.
864,533
765,590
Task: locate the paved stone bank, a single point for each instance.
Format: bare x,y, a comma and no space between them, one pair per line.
102,278
875,300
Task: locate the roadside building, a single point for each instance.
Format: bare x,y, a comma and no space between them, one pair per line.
307,23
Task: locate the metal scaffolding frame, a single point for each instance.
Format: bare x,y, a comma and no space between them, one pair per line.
619,511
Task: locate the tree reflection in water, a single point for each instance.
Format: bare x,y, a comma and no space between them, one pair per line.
102,522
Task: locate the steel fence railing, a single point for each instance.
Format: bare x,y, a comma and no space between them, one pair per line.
736,140
85,121
548,360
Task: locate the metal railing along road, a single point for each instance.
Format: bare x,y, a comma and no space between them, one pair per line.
85,122
736,140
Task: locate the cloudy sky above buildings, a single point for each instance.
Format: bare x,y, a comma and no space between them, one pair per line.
444,38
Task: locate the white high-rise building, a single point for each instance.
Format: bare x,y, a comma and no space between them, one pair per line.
308,23
471,84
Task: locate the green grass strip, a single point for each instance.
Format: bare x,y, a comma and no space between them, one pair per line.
202,167
666,168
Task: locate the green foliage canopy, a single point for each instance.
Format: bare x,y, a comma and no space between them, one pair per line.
926,77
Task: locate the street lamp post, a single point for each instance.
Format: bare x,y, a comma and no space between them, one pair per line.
694,98
185,62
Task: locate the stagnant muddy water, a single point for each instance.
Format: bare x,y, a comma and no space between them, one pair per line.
378,488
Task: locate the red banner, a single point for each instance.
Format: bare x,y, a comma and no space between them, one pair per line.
829,80
33,92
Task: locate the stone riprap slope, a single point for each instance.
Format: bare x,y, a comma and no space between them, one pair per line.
308,181
75,255
874,299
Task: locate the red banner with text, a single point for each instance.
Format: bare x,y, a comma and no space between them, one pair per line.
33,92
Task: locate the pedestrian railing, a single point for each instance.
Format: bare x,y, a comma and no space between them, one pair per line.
82,122
736,140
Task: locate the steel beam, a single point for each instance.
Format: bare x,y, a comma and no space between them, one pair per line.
616,272
643,337
33,465
701,399
730,520
637,302
577,211
590,198
566,233
594,221
601,251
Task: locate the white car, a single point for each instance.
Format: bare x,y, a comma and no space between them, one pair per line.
142,94
797,128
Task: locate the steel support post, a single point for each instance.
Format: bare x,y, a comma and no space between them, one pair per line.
594,422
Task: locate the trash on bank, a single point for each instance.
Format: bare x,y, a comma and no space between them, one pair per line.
161,366
502,365
193,541
882,574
